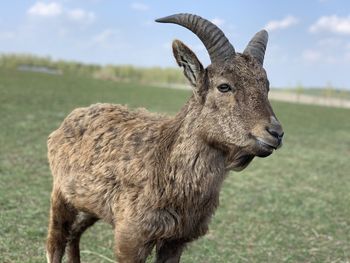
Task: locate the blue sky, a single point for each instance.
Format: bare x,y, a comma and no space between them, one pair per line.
309,40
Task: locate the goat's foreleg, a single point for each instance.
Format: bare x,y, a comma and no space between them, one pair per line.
169,251
61,219
82,222
130,245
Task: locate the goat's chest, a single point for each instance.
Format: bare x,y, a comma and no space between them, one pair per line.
193,216
195,223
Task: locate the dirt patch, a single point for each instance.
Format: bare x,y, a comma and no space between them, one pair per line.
308,99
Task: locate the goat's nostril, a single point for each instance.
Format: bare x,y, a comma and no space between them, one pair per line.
275,132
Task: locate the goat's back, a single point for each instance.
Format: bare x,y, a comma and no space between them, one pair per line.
102,151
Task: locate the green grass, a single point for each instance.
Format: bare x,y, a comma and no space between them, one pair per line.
291,207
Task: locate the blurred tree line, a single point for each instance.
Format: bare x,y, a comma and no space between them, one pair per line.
125,73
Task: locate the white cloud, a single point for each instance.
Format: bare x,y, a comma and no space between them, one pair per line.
54,9
45,9
286,22
81,16
139,6
333,24
218,21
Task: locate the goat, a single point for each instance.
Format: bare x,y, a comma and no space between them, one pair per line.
156,179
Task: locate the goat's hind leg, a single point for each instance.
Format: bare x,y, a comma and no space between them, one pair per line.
82,222
62,216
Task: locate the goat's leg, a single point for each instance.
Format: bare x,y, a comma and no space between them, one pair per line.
60,222
130,246
169,251
82,222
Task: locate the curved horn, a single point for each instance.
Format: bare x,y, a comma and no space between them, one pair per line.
257,46
215,41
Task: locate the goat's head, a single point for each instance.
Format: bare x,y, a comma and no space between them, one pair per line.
232,92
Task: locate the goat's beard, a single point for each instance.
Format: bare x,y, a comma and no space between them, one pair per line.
236,158
239,160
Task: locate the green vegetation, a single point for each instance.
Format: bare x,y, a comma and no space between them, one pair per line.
290,207
124,73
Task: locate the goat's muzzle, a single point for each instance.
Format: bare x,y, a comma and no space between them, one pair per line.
269,140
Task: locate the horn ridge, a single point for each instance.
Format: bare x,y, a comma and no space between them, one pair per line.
214,40
257,46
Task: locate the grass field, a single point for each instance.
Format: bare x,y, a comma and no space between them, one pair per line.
291,207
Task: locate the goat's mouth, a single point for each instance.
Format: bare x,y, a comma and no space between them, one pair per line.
264,148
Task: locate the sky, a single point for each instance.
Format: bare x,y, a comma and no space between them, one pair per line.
309,40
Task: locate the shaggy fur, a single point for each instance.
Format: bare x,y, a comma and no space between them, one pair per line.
155,178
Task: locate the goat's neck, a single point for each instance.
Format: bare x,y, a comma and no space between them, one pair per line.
190,165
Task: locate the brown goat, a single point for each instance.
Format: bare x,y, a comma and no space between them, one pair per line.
157,179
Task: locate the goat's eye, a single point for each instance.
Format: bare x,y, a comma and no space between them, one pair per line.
224,88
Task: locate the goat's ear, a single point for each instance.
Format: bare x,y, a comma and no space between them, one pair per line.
187,60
